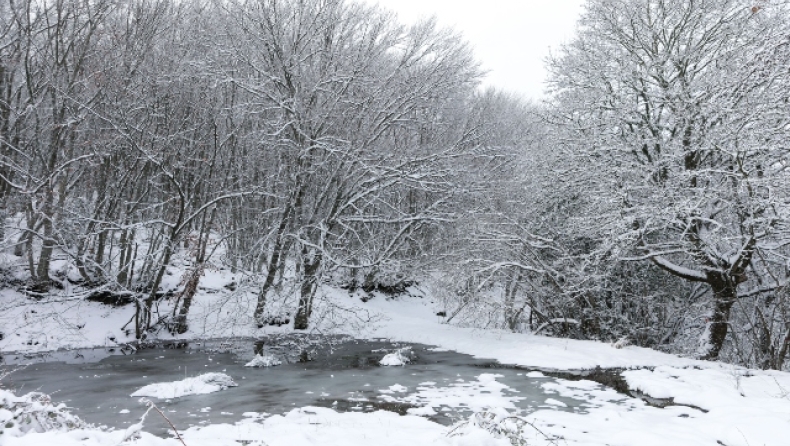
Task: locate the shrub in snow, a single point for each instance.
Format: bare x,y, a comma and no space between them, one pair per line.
390,277
33,412
500,424
206,383
399,357
263,361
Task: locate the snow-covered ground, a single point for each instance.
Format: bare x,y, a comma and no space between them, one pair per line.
715,403
308,426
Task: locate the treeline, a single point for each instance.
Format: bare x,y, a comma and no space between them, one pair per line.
316,132
322,140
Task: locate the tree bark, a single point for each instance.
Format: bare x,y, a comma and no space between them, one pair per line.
190,288
724,288
273,266
307,292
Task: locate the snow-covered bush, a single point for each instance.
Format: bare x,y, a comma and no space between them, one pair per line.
33,412
392,277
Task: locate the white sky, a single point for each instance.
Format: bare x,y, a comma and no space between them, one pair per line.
510,37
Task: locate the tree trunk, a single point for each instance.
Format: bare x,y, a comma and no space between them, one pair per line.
190,288
146,308
47,247
274,264
512,315
307,291
272,268
725,292
124,246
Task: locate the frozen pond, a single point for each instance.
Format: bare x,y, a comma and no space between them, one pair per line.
345,376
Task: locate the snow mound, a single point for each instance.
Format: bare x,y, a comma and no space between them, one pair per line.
263,361
400,357
198,385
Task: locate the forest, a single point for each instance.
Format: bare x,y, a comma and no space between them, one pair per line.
308,143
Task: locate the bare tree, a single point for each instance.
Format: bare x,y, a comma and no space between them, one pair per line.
346,82
684,144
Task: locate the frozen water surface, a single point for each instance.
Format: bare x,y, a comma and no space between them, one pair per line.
345,376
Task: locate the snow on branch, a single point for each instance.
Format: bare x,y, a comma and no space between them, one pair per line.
677,270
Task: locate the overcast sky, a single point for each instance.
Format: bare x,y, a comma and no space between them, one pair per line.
510,37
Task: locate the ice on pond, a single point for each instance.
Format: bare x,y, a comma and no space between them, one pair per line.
394,388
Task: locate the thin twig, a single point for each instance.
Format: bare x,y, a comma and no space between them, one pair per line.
151,405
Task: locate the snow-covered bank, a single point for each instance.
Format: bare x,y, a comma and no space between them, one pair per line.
412,319
740,406
307,426
728,405
61,323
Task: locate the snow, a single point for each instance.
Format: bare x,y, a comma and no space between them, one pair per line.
197,385
307,426
413,320
397,358
397,388
553,402
218,315
483,394
263,361
714,403
741,406
60,322
33,412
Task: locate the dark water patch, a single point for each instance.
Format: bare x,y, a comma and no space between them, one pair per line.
613,378
344,405
609,377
